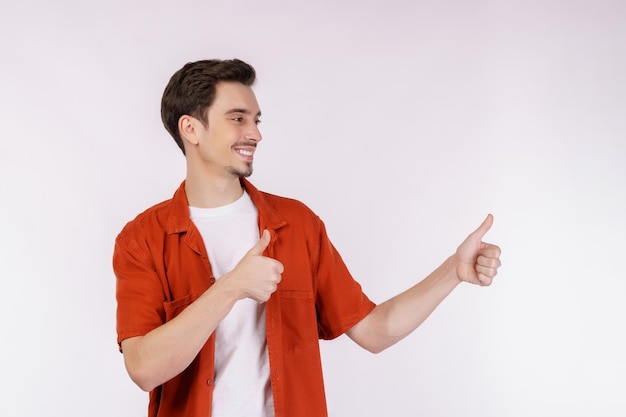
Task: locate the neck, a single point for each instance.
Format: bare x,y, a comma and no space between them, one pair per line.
209,191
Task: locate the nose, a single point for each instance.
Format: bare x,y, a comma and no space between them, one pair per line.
254,133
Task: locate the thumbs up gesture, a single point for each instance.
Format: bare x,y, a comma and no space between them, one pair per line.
477,261
255,276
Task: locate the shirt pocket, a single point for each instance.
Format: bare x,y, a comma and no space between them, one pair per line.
299,321
175,307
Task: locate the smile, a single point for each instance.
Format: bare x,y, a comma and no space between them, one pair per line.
244,152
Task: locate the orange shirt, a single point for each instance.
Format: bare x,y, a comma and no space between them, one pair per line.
162,266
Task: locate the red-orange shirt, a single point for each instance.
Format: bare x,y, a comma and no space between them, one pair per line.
162,266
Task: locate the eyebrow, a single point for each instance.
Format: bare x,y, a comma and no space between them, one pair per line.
244,111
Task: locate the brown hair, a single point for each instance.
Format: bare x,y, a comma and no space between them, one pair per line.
191,90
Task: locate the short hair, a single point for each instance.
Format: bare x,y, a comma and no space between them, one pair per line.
191,90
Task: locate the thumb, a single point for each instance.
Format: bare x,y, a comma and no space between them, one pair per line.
483,228
261,244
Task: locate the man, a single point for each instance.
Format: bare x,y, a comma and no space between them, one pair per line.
214,320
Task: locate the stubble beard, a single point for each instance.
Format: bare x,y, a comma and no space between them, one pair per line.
239,173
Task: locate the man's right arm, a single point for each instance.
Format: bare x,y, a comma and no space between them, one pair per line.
163,353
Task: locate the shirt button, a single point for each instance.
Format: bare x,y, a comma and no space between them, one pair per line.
209,382
212,280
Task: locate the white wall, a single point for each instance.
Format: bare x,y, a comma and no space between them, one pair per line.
402,123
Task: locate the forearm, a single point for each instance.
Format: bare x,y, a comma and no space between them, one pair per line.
166,351
397,317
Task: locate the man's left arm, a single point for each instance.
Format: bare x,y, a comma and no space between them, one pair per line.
474,261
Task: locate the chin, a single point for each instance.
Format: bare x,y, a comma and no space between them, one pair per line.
241,173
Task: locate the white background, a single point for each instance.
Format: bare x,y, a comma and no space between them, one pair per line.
401,123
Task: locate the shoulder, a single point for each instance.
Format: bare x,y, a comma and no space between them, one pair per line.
166,217
290,208
295,219
286,203
154,219
276,206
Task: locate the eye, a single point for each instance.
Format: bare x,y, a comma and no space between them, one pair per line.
257,122
238,119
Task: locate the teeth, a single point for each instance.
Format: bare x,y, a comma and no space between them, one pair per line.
244,152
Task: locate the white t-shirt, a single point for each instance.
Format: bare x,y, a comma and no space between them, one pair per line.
242,383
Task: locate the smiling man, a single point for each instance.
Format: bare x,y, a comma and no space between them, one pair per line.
223,291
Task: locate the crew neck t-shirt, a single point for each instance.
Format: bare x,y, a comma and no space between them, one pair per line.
242,383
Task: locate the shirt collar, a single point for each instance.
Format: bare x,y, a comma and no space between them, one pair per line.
179,220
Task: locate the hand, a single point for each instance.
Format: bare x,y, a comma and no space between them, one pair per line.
477,261
255,276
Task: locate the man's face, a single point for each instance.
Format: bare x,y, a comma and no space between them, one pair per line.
229,141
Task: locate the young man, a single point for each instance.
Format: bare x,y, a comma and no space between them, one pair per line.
224,290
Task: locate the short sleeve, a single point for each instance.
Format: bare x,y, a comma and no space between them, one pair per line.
341,302
139,291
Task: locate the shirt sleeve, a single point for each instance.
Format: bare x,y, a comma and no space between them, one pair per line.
139,291
341,302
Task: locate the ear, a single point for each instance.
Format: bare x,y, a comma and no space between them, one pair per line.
189,128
